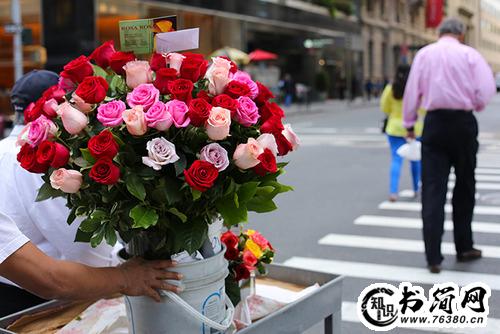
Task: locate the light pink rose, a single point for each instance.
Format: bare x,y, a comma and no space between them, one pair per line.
218,123
174,60
244,77
50,107
246,155
74,121
138,72
80,104
216,155
158,117
110,114
22,137
135,121
66,84
41,129
161,152
267,140
218,75
247,113
179,111
291,136
144,95
68,181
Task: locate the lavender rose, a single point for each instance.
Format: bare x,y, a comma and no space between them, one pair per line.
160,153
144,95
110,114
247,112
216,155
158,117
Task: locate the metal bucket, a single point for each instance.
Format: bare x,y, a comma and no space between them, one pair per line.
199,309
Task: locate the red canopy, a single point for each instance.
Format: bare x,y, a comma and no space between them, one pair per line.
259,54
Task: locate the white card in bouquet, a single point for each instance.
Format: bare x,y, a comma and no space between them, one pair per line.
186,39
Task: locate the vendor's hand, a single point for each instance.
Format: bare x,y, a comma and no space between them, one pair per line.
144,278
410,134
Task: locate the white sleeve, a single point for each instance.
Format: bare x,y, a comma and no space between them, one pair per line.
11,239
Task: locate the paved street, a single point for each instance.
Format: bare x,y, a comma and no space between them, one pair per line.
338,219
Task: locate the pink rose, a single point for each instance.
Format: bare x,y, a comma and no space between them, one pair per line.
110,114
179,111
68,181
216,155
174,60
218,75
245,78
50,107
291,136
158,117
218,123
144,95
80,104
41,129
267,140
138,72
74,121
246,155
135,121
247,113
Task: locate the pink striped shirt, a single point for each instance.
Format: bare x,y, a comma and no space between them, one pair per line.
447,75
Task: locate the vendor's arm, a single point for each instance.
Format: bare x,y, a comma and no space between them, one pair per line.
56,279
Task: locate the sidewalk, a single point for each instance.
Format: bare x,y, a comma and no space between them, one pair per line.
328,105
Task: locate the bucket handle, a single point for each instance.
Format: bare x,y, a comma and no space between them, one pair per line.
223,326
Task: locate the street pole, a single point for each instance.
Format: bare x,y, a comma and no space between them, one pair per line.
18,42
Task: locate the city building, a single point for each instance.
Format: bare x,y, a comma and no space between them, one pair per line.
489,32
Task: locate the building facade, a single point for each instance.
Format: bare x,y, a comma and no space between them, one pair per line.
489,32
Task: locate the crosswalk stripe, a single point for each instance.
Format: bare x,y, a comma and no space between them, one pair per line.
480,177
390,272
396,244
486,164
349,314
413,206
487,170
407,193
416,223
480,185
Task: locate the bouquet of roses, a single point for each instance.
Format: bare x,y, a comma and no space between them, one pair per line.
155,151
247,252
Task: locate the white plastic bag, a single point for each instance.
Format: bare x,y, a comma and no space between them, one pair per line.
410,150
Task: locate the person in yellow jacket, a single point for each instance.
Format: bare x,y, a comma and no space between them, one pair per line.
391,103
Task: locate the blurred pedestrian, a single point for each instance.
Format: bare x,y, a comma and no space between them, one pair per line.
391,104
368,89
450,80
288,89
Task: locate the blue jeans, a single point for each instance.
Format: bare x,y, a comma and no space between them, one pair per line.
288,99
397,162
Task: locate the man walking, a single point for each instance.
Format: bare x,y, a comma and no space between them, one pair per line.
450,80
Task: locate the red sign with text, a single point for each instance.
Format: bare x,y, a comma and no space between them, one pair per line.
433,13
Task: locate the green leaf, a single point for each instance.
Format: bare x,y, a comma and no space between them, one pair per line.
246,191
117,84
179,214
71,216
46,191
118,140
180,165
99,215
97,237
230,212
82,236
135,187
87,156
196,194
236,200
172,190
261,204
90,225
231,188
99,71
190,237
143,217
110,235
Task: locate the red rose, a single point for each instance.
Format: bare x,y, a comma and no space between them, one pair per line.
199,110
226,102
234,67
103,145
193,67
27,159
270,109
241,272
163,77
264,94
92,89
284,146
181,89
53,154
236,89
33,111
54,92
272,125
105,172
202,94
232,254
78,69
102,54
158,62
249,259
201,175
229,239
119,59
267,163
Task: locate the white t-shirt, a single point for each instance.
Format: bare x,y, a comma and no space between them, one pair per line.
11,239
44,223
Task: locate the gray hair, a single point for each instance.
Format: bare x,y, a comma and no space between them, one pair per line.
452,26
